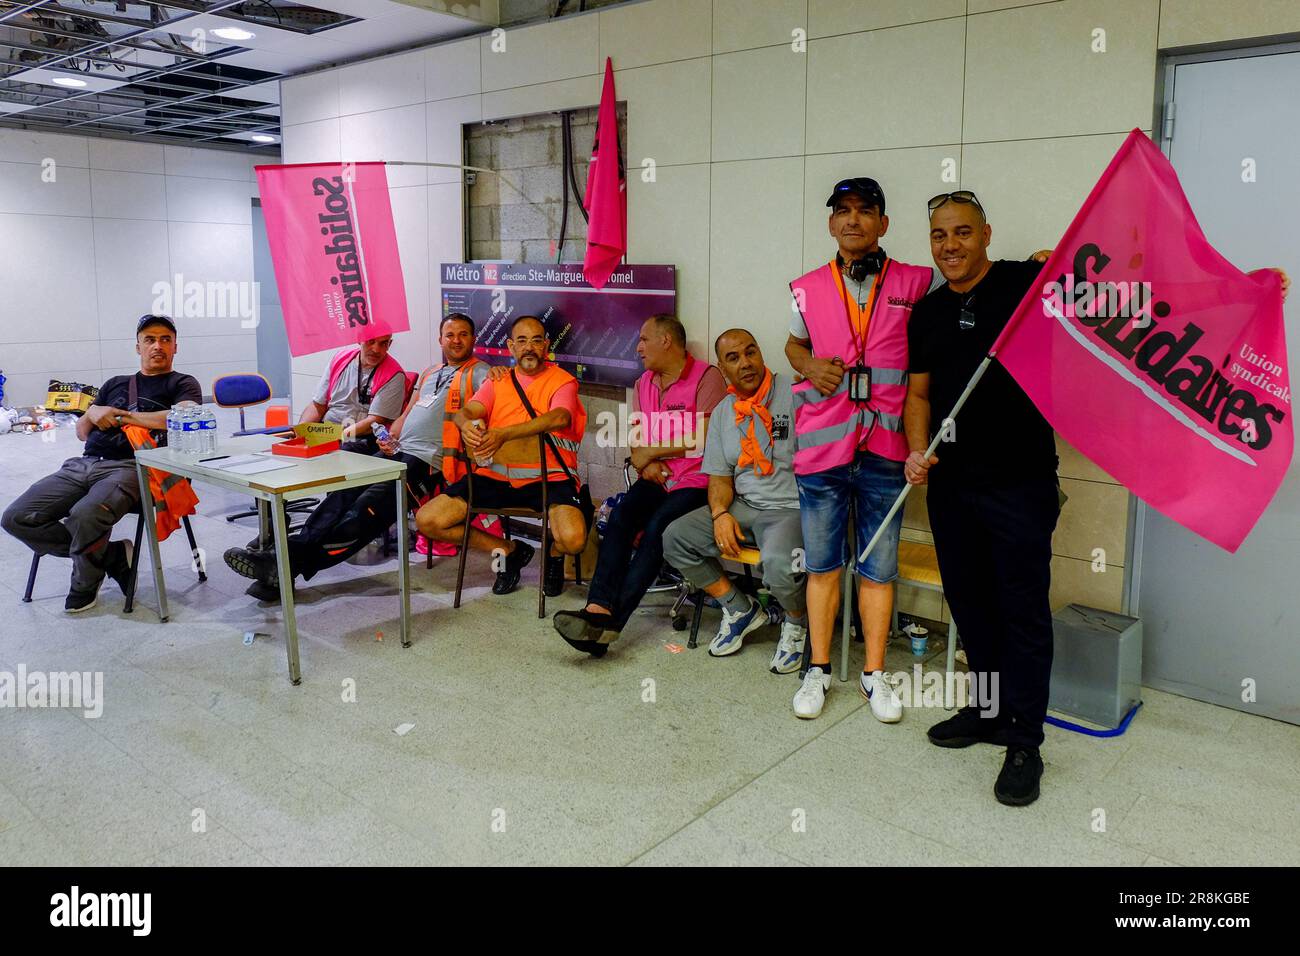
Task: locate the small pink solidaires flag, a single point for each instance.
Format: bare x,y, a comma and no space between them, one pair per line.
1155,356
330,230
606,199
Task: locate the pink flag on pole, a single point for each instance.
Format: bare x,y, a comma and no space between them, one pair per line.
1155,356
330,230
606,199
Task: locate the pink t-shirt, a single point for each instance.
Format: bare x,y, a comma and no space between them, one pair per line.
566,396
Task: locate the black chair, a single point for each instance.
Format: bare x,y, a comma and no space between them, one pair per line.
196,557
506,514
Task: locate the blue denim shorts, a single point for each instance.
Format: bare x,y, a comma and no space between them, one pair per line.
872,483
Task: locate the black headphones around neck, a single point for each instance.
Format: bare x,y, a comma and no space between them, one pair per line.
859,269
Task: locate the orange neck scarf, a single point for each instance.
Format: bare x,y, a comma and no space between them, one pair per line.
754,407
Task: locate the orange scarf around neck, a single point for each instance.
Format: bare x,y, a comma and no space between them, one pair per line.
754,407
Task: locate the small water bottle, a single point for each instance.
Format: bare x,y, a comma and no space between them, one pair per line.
208,431
382,434
481,426
190,426
174,430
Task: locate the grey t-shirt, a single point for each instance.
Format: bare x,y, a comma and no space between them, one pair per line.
422,431
722,450
343,402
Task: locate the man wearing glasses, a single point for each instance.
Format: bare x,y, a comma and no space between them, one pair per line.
993,494
848,339
500,425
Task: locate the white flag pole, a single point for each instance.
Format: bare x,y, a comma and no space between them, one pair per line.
952,416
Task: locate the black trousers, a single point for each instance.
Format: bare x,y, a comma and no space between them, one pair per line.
348,520
994,547
621,578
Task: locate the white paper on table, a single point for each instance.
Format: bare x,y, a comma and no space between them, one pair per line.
254,464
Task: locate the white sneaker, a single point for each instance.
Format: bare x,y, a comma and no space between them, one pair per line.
734,627
811,696
885,705
789,650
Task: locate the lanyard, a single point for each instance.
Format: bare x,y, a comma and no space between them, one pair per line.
863,316
363,388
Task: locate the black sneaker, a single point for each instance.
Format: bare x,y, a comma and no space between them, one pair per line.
553,584
582,630
117,563
508,578
264,592
78,601
1017,784
965,728
258,565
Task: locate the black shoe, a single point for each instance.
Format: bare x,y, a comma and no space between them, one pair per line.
117,563
967,727
553,583
583,630
508,578
78,601
1017,784
258,565
263,591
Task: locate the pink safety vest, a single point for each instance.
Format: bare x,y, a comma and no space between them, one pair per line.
387,369
829,429
670,420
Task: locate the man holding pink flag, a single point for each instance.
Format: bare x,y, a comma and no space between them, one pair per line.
1116,367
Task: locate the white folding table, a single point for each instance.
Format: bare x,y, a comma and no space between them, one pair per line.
305,478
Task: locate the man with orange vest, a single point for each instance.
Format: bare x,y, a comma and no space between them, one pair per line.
362,387
71,513
848,339
674,399
424,436
500,434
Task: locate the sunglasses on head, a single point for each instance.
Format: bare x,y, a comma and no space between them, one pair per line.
961,195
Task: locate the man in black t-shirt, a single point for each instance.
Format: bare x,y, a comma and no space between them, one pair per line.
72,512
992,495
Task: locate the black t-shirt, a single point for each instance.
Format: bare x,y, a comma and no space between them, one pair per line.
155,393
1000,437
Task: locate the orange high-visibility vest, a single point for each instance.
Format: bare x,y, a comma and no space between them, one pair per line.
173,498
455,463
516,461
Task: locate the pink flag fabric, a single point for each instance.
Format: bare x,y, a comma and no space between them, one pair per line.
606,198
330,230
1156,357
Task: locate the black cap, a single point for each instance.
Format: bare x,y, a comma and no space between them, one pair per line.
868,189
148,320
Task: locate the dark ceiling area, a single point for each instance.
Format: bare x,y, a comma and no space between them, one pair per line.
144,70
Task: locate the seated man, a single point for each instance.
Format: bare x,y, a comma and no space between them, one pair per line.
72,512
753,502
507,473
363,386
424,437
673,399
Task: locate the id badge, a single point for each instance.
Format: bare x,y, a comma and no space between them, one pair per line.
860,383
427,401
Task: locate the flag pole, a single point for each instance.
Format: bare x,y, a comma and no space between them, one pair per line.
902,495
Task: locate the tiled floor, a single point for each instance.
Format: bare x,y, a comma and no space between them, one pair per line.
524,752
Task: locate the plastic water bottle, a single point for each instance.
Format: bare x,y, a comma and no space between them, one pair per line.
174,430
207,431
190,426
481,426
383,434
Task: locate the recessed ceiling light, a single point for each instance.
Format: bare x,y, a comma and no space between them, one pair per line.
68,81
262,138
232,33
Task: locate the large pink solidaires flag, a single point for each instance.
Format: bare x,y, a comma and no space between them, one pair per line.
330,229
1156,357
